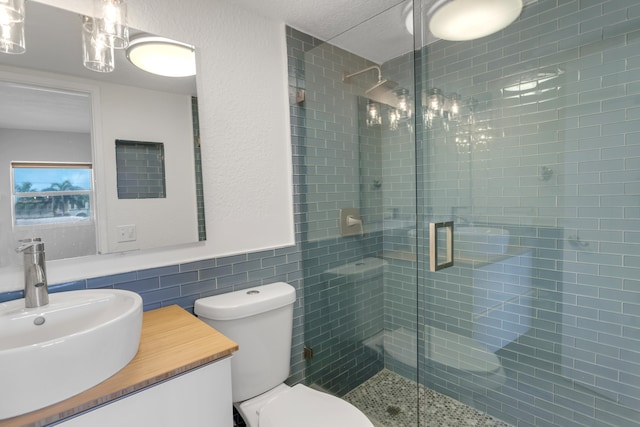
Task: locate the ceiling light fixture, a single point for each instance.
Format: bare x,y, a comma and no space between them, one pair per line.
458,20
162,56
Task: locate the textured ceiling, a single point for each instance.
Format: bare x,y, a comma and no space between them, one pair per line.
373,29
323,19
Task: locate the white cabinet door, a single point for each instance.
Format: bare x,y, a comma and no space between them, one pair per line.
197,398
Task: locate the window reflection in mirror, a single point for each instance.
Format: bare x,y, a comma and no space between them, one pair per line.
52,193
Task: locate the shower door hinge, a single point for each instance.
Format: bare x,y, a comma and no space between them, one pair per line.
308,353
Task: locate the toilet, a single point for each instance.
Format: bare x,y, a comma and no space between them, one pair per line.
260,320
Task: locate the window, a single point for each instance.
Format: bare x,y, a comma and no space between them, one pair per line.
52,193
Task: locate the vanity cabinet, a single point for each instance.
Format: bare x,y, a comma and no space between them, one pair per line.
201,397
181,376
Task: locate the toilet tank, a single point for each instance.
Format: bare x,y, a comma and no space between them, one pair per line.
260,320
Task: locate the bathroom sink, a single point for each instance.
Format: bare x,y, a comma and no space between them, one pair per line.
478,239
50,353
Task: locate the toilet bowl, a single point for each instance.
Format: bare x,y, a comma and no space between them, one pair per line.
297,406
260,320
459,356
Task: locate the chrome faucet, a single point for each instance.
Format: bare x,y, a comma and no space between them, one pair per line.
36,292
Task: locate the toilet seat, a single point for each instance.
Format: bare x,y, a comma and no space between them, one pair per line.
302,406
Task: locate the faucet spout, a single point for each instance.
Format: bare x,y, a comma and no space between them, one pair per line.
36,291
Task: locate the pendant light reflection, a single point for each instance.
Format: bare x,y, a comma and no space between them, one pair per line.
394,119
405,104
374,118
97,53
447,109
397,114
12,14
434,106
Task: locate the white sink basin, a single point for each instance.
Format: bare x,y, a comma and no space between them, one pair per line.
487,240
50,353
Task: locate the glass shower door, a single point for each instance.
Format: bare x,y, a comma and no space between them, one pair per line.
538,320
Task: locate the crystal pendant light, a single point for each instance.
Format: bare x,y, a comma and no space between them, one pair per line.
110,21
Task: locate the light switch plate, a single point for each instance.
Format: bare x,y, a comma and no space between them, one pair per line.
126,233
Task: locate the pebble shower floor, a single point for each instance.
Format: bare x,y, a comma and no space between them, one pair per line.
390,400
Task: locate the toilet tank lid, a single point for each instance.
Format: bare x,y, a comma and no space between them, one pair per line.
246,302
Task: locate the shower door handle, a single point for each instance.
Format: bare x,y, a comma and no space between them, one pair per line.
435,228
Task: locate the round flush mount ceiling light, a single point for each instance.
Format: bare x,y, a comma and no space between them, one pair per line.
458,20
162,56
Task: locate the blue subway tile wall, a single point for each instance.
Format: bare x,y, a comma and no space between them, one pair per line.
140,169
202,231
182,284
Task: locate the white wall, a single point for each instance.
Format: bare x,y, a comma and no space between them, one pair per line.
244,124
144,115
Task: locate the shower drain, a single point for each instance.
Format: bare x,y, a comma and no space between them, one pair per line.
393,410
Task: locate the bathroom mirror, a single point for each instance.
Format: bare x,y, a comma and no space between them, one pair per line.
127,104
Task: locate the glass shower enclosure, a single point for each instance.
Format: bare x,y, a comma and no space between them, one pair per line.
528,141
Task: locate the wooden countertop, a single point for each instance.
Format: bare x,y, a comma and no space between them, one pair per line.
172,342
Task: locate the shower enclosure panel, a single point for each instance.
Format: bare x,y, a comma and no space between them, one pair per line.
343,277
538,168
